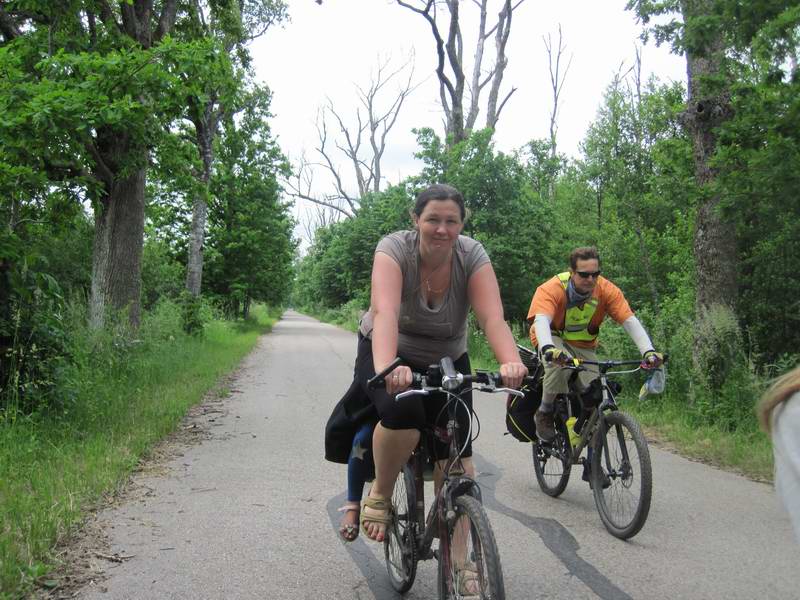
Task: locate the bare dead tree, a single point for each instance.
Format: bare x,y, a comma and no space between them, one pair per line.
634,207
557,80
302,185
450,53
362,143
374,129
316,217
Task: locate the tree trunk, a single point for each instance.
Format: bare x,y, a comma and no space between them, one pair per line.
707,108
714,239
194,266
117,253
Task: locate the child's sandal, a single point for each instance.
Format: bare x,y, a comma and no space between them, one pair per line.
349,532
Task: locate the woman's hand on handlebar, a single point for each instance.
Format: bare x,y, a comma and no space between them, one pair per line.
513,374
398,380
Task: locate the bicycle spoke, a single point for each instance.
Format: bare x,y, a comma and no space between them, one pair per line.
469,562
399,544
552,462
623,481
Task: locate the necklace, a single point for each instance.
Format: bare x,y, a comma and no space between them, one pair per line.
432,273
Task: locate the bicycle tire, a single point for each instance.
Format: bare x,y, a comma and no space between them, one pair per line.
480,552
400,544
623,457
552,462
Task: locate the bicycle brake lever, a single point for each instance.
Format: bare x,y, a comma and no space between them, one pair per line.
407,393
511,391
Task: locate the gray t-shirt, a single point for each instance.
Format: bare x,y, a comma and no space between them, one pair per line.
427,334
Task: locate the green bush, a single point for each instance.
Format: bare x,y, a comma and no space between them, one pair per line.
724,388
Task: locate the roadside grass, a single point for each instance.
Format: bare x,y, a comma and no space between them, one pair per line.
53,470
747,450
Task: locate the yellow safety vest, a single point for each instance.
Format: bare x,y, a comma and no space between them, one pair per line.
577,318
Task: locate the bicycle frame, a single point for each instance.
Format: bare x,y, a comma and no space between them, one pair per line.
589,430
458,496
454,483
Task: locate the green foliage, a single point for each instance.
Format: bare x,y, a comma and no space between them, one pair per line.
191,313
338,266
162,274
760,187
723,390
638,194
33,340
249,245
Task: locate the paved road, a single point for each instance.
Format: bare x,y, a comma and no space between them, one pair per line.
251,512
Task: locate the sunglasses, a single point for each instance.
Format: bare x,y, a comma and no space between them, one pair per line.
587,274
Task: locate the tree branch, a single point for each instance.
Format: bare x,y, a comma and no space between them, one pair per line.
302,190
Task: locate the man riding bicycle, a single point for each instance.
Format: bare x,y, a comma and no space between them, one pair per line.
567,311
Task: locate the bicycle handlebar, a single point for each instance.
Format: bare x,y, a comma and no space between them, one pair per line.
604,365
445,378
608,364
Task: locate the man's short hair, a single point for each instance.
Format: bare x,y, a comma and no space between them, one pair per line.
583,253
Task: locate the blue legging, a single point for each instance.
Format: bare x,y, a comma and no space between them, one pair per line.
360,465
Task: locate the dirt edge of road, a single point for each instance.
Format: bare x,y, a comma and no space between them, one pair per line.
83,557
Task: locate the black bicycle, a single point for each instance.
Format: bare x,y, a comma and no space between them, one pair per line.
617,463
469,562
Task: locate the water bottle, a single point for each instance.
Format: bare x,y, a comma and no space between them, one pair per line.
574,437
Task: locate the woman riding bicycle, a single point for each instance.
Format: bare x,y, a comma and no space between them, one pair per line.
423,284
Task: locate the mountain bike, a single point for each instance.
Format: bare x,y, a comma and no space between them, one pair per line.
617,463
457,518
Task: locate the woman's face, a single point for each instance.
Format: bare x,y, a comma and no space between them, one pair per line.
439,224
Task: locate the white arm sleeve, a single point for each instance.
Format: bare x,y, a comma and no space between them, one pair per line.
541,325
637,333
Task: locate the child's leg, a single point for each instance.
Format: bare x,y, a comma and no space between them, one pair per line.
360,467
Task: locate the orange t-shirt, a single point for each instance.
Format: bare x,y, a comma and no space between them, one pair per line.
550,299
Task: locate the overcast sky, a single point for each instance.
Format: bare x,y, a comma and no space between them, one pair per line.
327,49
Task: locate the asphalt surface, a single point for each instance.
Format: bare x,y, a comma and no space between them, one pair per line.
251,511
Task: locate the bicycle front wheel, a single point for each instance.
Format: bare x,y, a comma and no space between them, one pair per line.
400,545
552,462
469,563
622,477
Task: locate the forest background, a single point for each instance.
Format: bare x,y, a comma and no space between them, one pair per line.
147,208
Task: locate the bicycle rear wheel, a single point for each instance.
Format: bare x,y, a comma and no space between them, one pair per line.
400,545
552,462
469,562
621,463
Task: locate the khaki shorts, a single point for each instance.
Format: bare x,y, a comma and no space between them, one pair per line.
556,378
